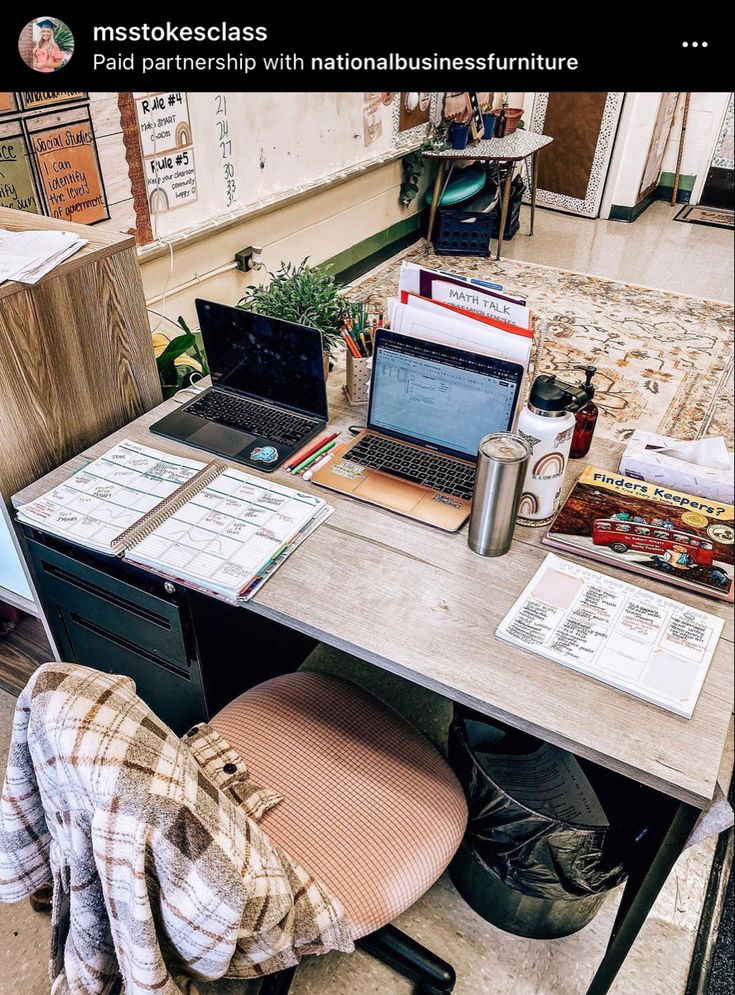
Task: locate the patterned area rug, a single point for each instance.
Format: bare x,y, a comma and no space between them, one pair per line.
665,361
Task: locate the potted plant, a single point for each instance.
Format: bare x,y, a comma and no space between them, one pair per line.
308,295
180,360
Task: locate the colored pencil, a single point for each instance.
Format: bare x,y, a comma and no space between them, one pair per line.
350,343
308,449
320,452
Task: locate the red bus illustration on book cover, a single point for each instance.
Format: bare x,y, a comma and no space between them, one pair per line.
673,546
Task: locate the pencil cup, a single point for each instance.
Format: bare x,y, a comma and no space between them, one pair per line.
357,387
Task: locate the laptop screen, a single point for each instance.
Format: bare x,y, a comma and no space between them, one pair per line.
264,358
440,396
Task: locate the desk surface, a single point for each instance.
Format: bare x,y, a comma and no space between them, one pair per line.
426,607
511,148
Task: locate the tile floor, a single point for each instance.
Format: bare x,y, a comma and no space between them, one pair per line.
653,252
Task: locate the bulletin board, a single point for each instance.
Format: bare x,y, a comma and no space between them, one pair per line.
161,165
49,162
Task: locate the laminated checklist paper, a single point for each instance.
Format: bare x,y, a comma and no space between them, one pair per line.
210,526
653,647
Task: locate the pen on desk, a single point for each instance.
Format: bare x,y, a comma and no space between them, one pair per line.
308,450
320,452
317,466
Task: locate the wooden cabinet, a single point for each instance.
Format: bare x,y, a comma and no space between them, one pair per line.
76,360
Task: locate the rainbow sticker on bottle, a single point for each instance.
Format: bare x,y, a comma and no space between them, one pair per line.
549,466
528,505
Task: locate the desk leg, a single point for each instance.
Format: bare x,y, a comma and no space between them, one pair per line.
534,175
640,893
436,197
504,206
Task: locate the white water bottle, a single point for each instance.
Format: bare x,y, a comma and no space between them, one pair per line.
547,425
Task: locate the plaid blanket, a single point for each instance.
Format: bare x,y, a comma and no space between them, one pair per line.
159,869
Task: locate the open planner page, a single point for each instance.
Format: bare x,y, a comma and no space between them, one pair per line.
227,535
109,495
645,644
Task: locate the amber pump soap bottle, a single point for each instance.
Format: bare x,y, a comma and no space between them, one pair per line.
586,418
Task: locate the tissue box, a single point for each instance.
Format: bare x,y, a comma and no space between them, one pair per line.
644,460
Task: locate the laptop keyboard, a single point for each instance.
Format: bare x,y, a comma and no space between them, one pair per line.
438,472
239,412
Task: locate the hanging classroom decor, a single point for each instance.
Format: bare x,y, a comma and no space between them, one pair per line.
167,146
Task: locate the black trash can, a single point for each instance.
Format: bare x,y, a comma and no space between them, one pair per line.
526,867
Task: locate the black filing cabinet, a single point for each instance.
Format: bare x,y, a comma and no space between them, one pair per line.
188,653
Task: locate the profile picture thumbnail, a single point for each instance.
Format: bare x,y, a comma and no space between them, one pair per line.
46,44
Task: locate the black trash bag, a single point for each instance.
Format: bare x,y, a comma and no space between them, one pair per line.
531,852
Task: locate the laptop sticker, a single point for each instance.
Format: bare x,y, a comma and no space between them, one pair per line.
349,469
443,499
264,454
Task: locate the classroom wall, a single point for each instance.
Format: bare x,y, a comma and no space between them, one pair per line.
321,225
324,224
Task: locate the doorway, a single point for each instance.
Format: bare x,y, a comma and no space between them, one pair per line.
718,189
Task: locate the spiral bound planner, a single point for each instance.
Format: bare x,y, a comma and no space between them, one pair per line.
209,526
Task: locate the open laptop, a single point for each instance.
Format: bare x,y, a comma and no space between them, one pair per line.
268,395
430,405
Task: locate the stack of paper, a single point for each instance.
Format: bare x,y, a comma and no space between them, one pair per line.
26,256
465,314
652,647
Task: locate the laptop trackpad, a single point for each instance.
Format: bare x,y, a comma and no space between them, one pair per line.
221,439
399,495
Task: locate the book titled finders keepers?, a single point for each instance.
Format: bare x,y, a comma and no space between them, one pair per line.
678,538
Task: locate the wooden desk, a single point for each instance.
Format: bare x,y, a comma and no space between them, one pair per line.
519,146
428,610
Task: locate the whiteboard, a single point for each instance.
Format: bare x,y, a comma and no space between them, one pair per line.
224,152
165,164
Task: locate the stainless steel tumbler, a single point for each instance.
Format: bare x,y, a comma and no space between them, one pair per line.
502,459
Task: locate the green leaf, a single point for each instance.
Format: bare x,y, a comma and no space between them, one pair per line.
176,347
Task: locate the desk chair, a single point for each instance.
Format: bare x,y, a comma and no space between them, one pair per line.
369,807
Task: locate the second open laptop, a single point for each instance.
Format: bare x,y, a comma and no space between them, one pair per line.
268,394
430,405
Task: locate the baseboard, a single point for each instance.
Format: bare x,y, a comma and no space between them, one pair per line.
663,191
366,255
